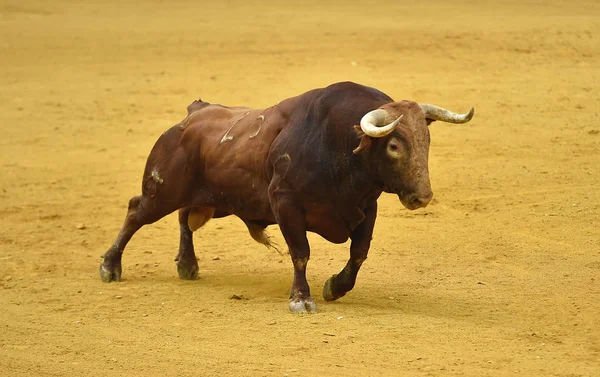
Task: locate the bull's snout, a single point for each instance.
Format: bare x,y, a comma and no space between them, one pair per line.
414,201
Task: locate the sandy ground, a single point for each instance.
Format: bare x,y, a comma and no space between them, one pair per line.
500,276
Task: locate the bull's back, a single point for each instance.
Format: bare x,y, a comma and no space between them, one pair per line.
228,147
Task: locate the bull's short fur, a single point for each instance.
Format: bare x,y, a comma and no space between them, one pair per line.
291,164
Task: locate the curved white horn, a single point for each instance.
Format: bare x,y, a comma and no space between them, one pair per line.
439,113
371,122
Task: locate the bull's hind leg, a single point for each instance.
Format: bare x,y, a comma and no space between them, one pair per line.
142,210
165,188
190,220
337,285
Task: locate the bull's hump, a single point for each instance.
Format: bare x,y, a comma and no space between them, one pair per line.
196,105
214,115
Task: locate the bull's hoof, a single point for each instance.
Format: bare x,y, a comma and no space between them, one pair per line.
187,271
303,305
328,290
110,273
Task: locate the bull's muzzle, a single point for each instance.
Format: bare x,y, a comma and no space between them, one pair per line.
415,201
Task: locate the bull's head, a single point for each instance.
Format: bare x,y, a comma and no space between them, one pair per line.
399,155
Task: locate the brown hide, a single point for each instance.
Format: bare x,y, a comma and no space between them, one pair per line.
291,164
227,149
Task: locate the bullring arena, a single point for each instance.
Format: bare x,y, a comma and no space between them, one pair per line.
498,276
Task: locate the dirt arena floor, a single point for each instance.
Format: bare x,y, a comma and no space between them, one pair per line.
499,276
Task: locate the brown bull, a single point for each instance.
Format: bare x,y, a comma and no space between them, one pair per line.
316,162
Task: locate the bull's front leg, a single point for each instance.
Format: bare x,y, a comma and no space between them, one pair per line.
337,285
292,223
300,298
293,228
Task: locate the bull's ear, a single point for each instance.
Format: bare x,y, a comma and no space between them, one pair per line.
429,121
365,141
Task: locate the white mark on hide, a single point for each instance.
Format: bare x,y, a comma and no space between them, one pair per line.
186,122
262,118
285,159
157,177
226,137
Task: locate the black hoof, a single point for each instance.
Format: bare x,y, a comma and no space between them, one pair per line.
109,274
187,272
329,293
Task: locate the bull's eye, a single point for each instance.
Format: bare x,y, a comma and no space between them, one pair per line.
394,149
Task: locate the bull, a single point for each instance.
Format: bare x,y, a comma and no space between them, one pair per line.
316,162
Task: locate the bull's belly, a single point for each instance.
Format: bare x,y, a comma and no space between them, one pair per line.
233,190
328,226
249,213
248,199
247,207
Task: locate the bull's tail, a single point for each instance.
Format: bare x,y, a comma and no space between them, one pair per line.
259,235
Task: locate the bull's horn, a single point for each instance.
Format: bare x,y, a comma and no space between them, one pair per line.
371,122
439,113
